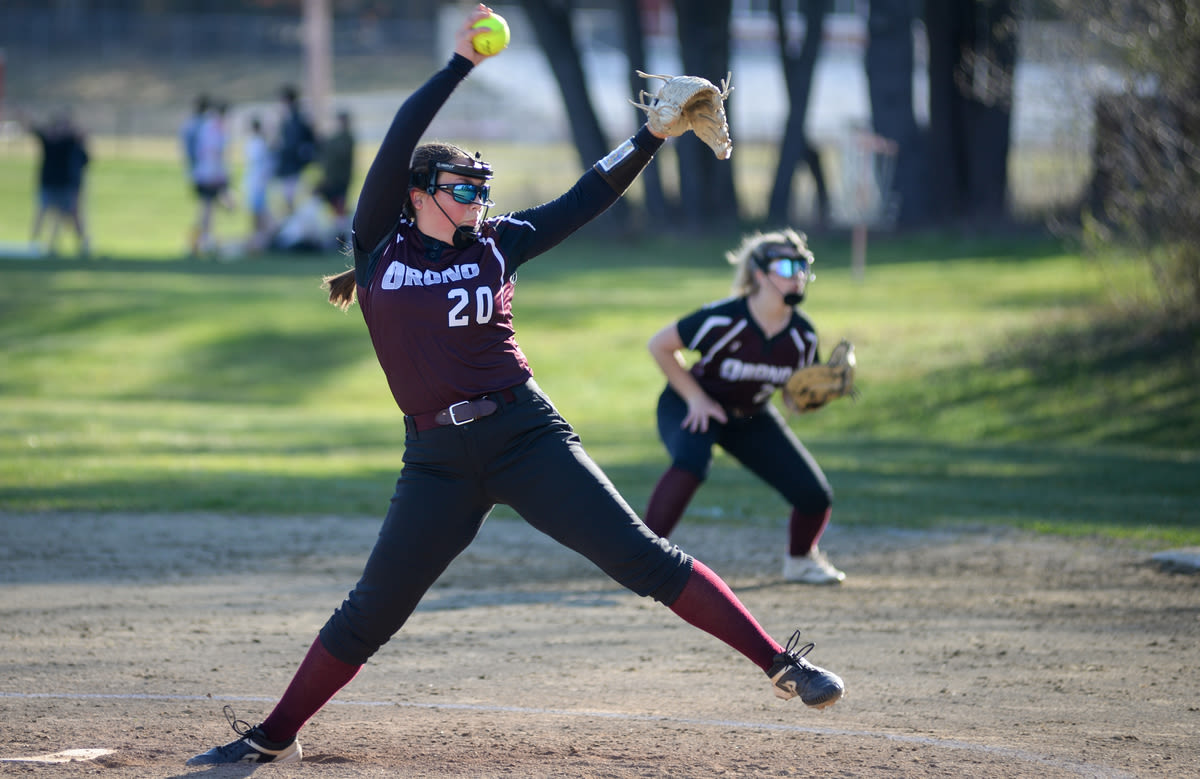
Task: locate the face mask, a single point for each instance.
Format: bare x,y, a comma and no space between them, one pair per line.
464,237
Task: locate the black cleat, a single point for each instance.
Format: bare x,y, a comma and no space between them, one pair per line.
252,747
792,675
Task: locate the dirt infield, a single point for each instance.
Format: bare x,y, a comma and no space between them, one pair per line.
964,654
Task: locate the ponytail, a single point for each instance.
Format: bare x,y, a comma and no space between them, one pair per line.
342,287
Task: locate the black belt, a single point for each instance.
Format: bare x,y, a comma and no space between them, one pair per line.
464,411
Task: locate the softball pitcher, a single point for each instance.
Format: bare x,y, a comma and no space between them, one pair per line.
434,278
749,345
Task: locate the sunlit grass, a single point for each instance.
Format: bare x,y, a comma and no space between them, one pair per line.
183,386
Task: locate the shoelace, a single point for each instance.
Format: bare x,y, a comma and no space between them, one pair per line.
793,649
243,728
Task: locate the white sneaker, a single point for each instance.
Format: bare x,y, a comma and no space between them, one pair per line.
812,568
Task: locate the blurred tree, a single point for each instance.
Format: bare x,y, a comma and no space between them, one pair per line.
972,55
634,39
707,200
706,184
551,20
890,61
318,60
799,62
1146,156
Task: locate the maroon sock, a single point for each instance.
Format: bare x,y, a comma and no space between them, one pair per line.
709,604
671,496
318,679
804,531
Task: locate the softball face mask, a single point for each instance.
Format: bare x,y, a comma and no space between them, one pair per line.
784,262
463,193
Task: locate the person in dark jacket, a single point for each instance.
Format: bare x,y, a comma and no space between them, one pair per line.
296,146
61,173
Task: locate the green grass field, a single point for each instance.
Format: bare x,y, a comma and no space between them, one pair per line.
989,393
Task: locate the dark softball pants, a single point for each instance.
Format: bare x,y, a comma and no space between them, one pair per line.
763,443
524,455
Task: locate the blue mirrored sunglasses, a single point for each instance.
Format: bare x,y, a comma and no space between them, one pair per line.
469,193
789,268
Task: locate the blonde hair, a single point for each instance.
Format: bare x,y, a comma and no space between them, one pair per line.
748,256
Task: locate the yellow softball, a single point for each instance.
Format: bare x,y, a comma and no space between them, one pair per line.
496,37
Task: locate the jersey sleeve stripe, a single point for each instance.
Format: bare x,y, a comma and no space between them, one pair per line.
733,331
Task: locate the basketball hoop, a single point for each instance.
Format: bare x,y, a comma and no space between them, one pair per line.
865,199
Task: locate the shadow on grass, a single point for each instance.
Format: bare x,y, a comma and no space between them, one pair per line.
1136,381
926,485
269,264
893,484
253,367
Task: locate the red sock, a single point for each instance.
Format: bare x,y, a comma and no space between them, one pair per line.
318,679
671,496
804,531
709,604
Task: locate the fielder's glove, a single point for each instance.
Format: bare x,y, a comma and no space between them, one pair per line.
689,103
811,387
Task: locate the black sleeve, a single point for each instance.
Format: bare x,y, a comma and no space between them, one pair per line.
689,325
626,162
595,191
386,183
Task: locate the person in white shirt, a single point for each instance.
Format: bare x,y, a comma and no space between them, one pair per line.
258,166
211,174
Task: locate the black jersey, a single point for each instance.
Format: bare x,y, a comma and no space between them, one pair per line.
440,318
739,367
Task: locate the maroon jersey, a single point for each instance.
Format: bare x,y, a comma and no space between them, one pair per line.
457,339
440,318
739,367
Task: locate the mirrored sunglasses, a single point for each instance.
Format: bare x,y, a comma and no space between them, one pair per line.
469,193
789,268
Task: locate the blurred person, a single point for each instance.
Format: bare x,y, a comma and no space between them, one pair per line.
435,278
61,172
189,137
337,167
189,133
211,173
295,146
258,165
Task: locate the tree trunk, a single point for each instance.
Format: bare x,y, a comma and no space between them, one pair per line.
972,54
946,169
798,67
634,38
889,65
552,24
989,109
706,185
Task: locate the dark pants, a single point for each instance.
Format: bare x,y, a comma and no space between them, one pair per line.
525,456
763,443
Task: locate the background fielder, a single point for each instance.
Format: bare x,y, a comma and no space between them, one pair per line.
748,345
